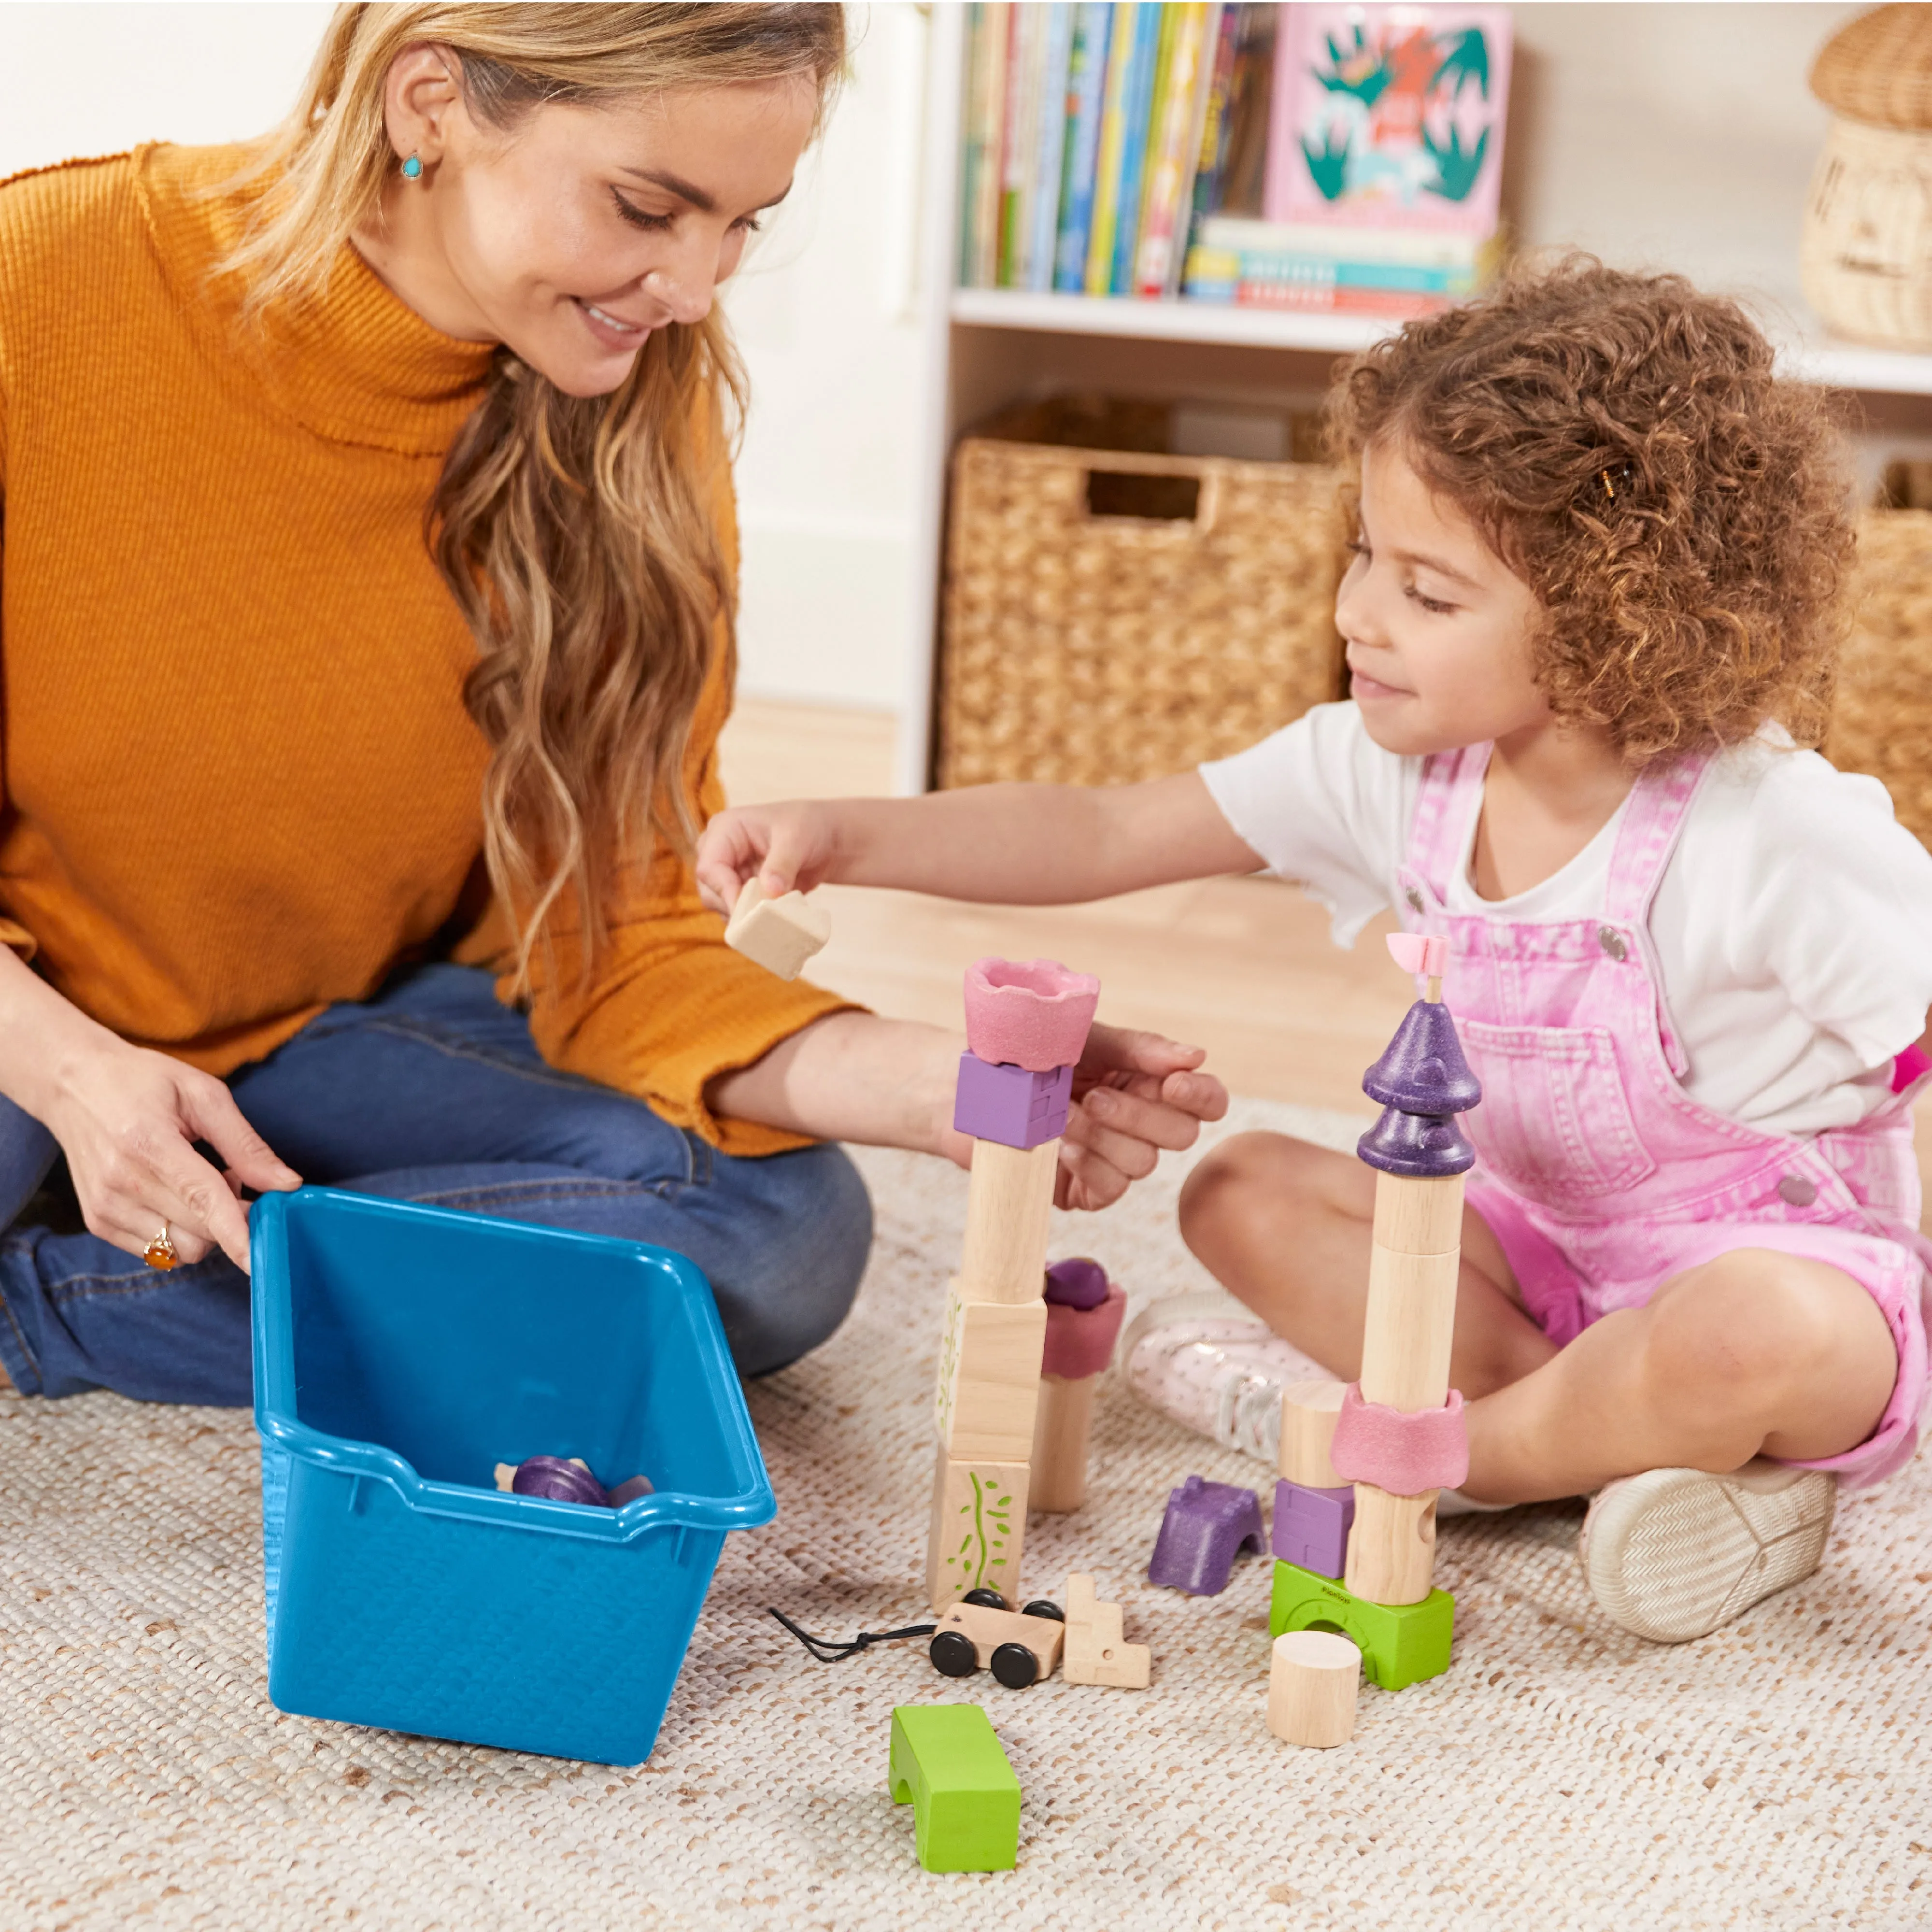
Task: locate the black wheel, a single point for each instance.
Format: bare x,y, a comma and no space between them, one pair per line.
990,1600
1040,1607
953,1655
1015,1666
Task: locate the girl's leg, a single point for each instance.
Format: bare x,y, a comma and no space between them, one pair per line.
1755,1352
1287,1227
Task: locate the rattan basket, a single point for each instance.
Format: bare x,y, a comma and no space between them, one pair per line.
1881,713
1112,615
1865,253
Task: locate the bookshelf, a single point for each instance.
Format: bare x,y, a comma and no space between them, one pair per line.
986,348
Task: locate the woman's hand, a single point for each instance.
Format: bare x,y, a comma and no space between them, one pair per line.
128,1119
787,847
1135,1096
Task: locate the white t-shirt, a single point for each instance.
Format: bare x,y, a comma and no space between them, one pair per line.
1793,923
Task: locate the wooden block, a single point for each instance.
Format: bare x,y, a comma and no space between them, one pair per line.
1407,1328
1415,1216
1313,1676
989,1379
1097,1651
977,1529
1308,1413
1003,1258
986,1629
781,935
1062,1422
1392,1546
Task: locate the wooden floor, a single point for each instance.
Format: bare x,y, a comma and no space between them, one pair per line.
1244,967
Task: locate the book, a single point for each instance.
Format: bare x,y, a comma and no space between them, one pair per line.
1312,297
1211,271
1212,157
1043,218
972,148
1174,149
1019,142
1152,31
986,119
1250,94
1086,79
1123,40
1423,248
1389,116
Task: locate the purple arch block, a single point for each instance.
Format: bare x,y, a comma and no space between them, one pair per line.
1206,1525
1422,1069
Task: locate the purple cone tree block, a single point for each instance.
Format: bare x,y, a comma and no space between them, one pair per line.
1206,1526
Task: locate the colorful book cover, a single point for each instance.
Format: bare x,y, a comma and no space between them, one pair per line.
1423,248
1174,147
1248,99
1043,224
1086,81
1123,40
1215,120
1152,32
972,152
1389,116
996,16
1218,268
1019,142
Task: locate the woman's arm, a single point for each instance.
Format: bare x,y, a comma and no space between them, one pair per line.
1016,845
128,1119
853,1076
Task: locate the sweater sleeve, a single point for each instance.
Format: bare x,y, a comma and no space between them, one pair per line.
12,934
667,1007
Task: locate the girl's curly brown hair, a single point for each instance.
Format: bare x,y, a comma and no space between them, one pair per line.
1621,440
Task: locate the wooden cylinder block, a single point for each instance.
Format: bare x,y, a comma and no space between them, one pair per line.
1313,1678
1414,1216
1308,1413
1060,1427
1392,1546
1410,1323
1007,1198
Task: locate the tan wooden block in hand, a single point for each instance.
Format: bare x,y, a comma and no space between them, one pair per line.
977,1531
781,935
989,1378
1097,1651
1313,1678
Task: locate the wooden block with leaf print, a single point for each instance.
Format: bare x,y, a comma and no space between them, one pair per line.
989,1379
979,1523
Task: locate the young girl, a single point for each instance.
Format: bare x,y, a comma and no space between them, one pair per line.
1599,550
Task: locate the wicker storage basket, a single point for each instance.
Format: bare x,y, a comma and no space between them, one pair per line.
1112,615
1865,254
1882,713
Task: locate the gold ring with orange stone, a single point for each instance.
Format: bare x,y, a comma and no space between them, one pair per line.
159,1252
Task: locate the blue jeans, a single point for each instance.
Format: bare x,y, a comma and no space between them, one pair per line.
432,1091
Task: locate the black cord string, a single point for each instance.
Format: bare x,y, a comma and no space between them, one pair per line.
828,1650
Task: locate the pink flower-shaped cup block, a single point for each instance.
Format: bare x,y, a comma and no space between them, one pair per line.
1032,1013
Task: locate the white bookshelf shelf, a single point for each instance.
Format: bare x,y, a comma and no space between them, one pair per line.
1835,365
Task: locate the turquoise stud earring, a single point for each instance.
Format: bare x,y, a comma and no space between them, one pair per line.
413,168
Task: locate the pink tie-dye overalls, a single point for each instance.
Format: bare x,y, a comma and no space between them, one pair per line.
1599,1175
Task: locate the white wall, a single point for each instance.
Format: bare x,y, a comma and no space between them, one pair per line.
823,311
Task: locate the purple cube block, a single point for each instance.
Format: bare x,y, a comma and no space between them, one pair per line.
1206,1524
1311,1526
1009,1105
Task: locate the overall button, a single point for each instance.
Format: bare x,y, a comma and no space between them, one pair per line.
1612,941
1796,1189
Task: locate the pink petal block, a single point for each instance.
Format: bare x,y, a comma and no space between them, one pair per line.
1032,1013
1424,953
1080,1341
1403,1452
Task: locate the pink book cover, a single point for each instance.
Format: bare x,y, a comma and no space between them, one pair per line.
1389,116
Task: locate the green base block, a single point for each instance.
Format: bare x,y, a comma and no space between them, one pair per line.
1401,1643
947,1763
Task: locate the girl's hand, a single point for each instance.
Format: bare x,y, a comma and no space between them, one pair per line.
128,1119
784,846
1135,1094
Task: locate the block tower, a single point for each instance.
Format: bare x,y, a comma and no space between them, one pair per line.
1398,1435
1026,1026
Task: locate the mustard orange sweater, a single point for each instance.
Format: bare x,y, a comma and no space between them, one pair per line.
237,780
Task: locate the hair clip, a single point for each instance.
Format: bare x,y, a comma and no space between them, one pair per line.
1617,481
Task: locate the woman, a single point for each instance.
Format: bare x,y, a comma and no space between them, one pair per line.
368,567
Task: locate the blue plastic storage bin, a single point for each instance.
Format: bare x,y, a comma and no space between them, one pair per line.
400,1354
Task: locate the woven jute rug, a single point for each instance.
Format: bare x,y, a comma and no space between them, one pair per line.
1561,1774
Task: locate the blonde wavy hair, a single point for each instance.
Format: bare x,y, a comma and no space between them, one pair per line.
573,533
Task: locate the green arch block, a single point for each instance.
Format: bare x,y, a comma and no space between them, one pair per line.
1401,1643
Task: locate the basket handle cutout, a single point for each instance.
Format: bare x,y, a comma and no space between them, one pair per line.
1150,498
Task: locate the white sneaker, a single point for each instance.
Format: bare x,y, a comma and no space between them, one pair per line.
1673,1553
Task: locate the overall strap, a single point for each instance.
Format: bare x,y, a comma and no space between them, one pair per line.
1652,823
1451,796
